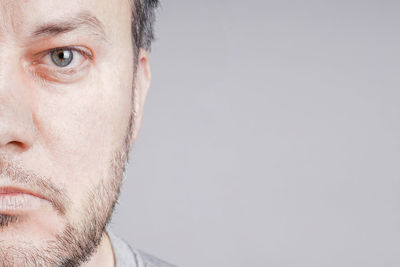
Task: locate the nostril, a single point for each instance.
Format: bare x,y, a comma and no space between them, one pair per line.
17,145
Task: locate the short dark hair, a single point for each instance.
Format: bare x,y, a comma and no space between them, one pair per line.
143,18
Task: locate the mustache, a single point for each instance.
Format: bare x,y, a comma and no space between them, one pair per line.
12,171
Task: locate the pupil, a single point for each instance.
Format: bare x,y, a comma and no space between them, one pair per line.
63,55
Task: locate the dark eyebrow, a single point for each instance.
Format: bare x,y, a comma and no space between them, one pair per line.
83,20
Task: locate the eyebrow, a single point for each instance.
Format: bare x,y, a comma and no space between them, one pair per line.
83,20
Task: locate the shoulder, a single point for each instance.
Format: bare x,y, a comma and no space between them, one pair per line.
126,256
151,261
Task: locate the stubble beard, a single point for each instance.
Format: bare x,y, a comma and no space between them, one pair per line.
78,241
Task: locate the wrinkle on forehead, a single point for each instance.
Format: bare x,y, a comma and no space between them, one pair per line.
10,14
18,17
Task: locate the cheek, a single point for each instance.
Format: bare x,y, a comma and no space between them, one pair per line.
80,126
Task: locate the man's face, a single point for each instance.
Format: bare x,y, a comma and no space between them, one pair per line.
66,79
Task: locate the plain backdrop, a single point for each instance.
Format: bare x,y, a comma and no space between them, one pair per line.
271,136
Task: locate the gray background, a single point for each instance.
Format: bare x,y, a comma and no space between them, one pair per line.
271,136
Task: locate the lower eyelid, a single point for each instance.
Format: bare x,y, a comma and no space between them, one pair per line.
62,75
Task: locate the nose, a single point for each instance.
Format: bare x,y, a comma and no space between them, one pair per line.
17,128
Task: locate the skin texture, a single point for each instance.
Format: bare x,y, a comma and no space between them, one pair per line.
65,132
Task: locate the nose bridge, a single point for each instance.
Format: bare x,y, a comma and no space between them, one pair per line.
9,62
11,76
16,120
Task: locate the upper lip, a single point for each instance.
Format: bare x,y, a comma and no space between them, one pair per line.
20,190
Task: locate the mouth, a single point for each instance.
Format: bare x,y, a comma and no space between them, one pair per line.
15,200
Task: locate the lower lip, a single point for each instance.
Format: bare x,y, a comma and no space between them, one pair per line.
16,202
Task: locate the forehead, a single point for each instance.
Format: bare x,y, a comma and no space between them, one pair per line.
24,16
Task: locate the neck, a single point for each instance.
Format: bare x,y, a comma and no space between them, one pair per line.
104,255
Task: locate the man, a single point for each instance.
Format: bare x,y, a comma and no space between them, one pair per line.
73,80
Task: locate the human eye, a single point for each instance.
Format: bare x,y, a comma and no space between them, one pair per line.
62,64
